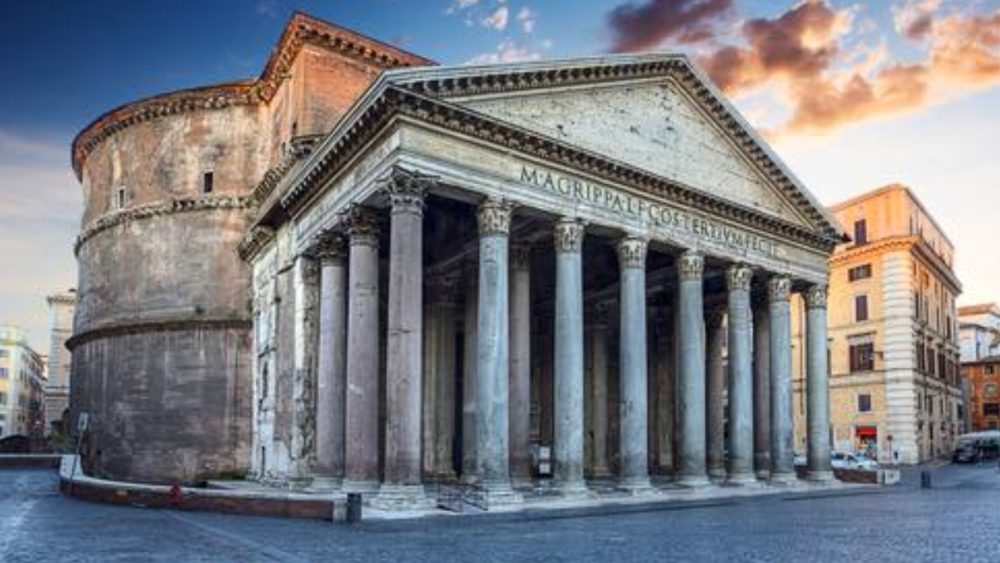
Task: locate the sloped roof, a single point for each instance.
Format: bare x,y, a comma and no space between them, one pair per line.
439,90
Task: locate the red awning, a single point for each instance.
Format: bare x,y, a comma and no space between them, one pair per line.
866,431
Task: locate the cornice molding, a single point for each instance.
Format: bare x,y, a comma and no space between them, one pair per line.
122,329
254,241
395,101
301,30
677,67
159,208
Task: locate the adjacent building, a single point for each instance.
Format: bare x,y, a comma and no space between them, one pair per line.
979,331
982,387
364,270
61,308
893,332
22,385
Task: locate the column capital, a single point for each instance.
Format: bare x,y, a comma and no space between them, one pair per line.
493,217
816,297
632,252
330,248
691,265
520,256
406,189
568,235
361,225
779,288
738,277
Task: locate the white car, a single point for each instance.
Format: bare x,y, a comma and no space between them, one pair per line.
847,460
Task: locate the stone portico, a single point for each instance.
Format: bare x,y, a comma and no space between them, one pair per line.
594,256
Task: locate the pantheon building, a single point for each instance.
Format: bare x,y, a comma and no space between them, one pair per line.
362,271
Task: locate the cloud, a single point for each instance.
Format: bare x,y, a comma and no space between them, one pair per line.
812,56
526,17
267,9
498,19
508,51
645,26
40,208
915,18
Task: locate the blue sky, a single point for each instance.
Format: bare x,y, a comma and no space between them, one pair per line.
853,94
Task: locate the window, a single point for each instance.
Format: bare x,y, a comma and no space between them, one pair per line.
207,181
861,272
864,402
861,308
860,232
3,398
990,370
119,201
991,409
921,366
4,353
862,357
3,373
990,390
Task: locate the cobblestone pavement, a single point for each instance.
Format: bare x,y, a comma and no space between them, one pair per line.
957,520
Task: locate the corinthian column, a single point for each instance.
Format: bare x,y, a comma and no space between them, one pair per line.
741,439
520,363
633,429
782,425
404,345
715,387
470,325
691,367
331,362
362,420
599,391
762,390
492,368
569,358
439,378
817,385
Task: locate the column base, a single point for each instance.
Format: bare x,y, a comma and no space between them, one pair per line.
325,485
572,489
717,475
499,493
693,481
741,479
763,474
635,485
824,476
401,497
522,483
783,478
360,486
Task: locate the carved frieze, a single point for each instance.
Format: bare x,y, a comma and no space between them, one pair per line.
632,252
568,235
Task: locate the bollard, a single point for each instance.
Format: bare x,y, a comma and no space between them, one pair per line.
925,479
353,507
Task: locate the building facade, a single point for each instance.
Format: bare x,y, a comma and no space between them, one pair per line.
22,385
445,268
982,384
979,331
894,352
61,308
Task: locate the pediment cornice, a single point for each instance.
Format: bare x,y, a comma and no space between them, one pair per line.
393,101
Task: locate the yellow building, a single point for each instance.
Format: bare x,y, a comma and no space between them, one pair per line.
893,332
22,384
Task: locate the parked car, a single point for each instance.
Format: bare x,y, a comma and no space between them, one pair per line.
848,460
976,447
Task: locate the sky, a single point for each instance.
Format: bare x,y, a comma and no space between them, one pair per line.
852,95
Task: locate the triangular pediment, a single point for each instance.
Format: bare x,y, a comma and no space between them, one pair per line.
655,113
652,125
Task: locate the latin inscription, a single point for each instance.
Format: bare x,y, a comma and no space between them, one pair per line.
646,211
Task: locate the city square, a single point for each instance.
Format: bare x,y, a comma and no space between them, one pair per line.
343,279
